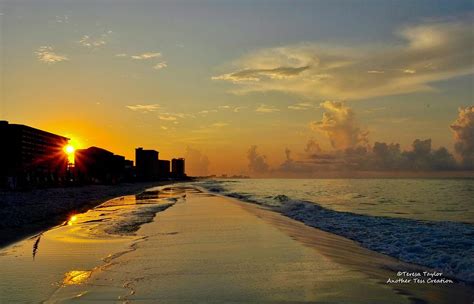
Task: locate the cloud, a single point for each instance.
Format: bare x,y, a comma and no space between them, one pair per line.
146,56
197,164
256,74
312,147
266,109
423,54
144,108
257,163
219,124
90,42
160,65
237,109
302,106
167,117
463,128
47,54
339,124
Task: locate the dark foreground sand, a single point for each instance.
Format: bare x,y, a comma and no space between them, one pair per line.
27,213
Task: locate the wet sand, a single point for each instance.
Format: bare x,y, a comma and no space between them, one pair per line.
212,249
26,213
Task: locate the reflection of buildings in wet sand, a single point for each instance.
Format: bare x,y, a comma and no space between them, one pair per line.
31,156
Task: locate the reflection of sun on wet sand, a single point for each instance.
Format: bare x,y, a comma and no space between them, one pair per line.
217,249
75,277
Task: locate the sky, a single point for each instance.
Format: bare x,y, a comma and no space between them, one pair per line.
269,88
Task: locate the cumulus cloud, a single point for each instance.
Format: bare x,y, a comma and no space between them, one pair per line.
463,128
48,55
339,124
257,162
144,108
312,147
197,164
160,65
426,53
266,109
146,56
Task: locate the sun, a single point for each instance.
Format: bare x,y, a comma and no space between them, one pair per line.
69,149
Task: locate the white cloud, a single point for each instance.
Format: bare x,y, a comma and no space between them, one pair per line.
167,117
146,56
90,42
303,106
339,124
47,54
427,53
237,109
160,65
266,109
144,108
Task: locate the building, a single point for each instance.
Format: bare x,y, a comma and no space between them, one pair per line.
164,168
31,157
97,165
177,168
146,162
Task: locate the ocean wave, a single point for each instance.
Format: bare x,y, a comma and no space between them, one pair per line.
445,246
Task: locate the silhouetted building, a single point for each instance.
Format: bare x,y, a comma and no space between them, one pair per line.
31,157
97,165
164,168
177,168
146,162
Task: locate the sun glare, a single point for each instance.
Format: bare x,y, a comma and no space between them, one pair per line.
69,149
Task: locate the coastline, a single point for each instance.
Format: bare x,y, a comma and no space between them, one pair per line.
27,213
210,246
201,246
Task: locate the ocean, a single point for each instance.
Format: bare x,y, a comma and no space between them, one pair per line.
428,222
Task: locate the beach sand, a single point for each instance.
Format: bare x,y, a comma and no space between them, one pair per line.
28,212
211,249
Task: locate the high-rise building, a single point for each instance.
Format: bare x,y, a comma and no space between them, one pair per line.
31,157
177,168
164,168
146,162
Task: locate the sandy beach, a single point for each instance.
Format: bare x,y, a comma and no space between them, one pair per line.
206,248
29,212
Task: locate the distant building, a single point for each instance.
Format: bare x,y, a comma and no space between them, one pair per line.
177,168
31,157
164,168
146,162
97,165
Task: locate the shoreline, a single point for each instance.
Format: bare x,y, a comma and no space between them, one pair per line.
28,213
